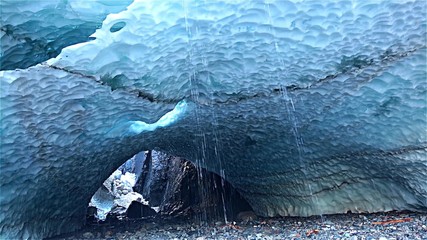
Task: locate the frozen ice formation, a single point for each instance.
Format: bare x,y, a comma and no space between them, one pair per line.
305,107
116,193
34,31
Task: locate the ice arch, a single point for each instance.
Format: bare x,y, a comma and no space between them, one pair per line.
305,107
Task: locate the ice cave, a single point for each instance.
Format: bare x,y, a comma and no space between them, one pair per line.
304,107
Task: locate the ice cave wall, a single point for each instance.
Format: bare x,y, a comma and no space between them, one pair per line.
34,31
305,107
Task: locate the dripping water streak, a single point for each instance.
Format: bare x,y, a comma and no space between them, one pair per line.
201,143
292,117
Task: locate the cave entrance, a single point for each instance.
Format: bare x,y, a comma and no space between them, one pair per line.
155,184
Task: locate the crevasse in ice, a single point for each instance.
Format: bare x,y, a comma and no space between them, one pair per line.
304,107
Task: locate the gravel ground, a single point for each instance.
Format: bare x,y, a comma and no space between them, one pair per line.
379,226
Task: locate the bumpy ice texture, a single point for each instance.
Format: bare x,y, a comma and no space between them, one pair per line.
305,107
34,31
55,147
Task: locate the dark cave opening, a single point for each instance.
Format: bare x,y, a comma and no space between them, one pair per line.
165,186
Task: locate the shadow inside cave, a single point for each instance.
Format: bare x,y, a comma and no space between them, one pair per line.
153,184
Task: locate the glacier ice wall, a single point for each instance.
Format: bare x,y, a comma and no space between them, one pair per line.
305,107
54,149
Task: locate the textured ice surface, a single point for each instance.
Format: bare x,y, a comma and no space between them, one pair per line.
34,31
171,50
54,146
103,201
305,107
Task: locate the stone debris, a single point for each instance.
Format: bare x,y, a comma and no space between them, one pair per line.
344,226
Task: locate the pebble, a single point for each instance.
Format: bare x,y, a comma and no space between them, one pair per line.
294,235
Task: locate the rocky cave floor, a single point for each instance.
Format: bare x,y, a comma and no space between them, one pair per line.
379,226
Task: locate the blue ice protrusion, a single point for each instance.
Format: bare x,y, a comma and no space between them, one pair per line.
138,127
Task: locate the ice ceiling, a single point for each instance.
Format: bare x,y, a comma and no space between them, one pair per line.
310,107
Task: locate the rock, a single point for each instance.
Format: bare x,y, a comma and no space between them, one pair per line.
247,216
88,235
139,210
108,234
294,235
171,184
